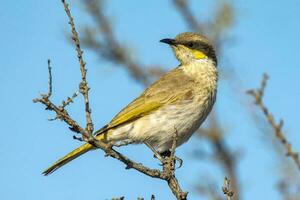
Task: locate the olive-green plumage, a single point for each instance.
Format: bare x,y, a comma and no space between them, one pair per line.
167,90
180,99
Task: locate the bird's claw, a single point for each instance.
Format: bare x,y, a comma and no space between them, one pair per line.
180,161
165,155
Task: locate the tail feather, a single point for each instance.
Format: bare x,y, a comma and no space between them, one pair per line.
71,156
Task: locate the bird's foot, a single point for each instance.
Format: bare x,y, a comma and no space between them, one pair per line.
163,157
166,155
180,161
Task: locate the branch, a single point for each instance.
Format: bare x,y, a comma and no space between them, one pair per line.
50,78
83,86
168,167
258,95
227,189
69,100
168,171
118,198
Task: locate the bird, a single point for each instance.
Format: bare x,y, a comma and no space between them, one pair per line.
178,101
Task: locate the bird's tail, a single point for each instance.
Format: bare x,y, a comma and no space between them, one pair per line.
71,156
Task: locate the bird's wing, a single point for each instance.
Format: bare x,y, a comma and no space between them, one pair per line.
170,88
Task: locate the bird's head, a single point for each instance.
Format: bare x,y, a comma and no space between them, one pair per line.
190,47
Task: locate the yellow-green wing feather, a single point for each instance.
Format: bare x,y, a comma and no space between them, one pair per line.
170,88
133,111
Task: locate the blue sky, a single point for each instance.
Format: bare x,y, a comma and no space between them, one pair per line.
266,39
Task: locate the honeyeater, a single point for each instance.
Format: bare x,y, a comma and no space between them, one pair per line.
178,101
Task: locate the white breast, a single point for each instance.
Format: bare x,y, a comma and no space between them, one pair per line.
185,117
158,128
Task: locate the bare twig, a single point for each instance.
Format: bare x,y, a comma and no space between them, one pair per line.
83,86
50,78
118,198
139,198
258,95
169,169
69,100
227,189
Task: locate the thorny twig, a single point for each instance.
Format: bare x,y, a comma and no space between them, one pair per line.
83,86
169,169
167,173
50,78
227,189
258,95
69,100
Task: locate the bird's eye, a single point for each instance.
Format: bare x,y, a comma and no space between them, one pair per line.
190,44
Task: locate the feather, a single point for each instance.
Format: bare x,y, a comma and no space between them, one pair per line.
169,89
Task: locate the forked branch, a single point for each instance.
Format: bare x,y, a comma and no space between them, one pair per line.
258,95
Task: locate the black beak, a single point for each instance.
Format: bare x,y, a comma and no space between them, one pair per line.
168,41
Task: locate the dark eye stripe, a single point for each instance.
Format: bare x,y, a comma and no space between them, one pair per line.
197,45
204,47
